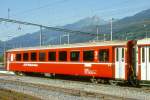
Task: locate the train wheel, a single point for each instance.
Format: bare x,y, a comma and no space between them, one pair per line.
134,83
112,82
93,80
47,75
20,73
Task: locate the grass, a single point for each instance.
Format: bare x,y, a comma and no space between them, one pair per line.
11,95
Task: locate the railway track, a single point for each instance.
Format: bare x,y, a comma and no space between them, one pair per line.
50,89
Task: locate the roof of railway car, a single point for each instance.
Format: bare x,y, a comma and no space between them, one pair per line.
144,41
74,45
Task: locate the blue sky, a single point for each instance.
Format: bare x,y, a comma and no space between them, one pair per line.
61,12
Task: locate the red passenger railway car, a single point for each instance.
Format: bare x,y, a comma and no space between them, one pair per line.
143,59
108,60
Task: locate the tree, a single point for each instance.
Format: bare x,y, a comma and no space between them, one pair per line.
1,58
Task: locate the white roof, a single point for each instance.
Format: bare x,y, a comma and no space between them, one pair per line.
144,41
75,45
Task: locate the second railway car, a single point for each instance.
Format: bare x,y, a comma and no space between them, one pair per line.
143,59
109,60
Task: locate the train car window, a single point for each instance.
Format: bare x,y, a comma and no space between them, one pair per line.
122,54
88,55
33,56
42,56
25,56
143,55
52,56
62,56
104,55
18,57
117,55
74,56
149,54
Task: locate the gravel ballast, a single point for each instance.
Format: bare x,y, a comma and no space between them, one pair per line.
46,94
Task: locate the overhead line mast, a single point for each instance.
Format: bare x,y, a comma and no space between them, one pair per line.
43,26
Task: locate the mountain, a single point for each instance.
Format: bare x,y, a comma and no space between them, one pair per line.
89,21
134,27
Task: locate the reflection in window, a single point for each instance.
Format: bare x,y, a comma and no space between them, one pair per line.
52,56
42,56
88,55
74,56
62,56
104,55
122,54
33,56
18,57
149,54
25,56
143,54
117,55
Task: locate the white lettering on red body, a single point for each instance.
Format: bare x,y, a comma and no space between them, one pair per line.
30,65
89,71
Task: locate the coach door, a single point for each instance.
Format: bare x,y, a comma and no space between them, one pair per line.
120,63
145,63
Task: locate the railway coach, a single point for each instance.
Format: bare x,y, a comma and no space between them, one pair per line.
142,60
110,61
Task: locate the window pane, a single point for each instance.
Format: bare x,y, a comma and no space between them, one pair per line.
18,57
104,55
122,54
42,56
25,56
52,56
88,55
62,56
75,56
143,55
33,56
117,55
149,55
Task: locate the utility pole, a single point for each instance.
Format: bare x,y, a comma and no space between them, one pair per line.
8,13
111,29
97,31
68,37
145,31
60,40
126,36
40,35
104,37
